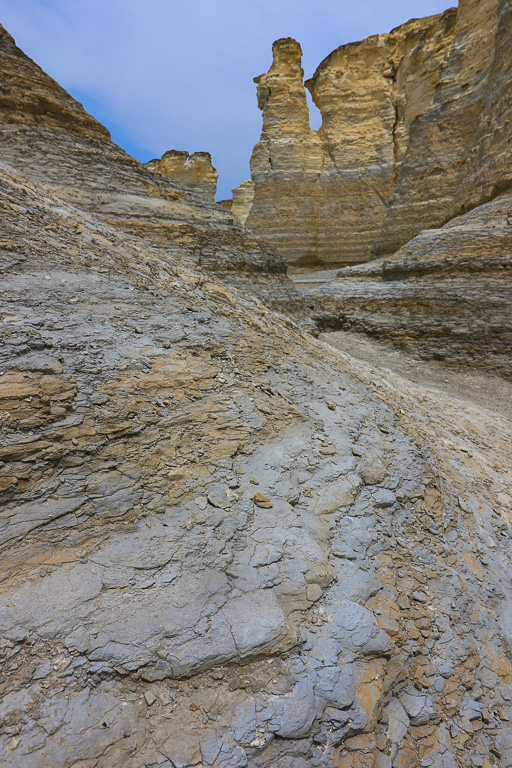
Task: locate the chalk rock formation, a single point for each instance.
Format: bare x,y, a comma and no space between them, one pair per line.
416,129
243,197
224,543
241,201
195,171
321,197
46,130
447,293
460,150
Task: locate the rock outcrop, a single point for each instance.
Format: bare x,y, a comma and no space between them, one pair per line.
416,129
459,153
195,171
43,129
321,196
446,295
224,543
243,197
241,201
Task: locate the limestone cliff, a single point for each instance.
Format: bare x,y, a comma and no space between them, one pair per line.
446,294
43,128
321,197
416,129
240,203
243,197
195,171
460,151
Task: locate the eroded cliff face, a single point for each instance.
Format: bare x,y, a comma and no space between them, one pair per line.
321,197
243,198
445,294
416,129
195,171
460,151
43,129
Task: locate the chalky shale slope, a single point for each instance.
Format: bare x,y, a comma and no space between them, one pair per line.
224,543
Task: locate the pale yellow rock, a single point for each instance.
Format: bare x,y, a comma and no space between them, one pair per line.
460,150
415,131
321,196
243,197
195,171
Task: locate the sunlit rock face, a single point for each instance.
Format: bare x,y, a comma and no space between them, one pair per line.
415,130
446,293
42,128
195,171
321,196
460,150
243,197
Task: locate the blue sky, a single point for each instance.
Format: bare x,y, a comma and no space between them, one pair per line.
177,74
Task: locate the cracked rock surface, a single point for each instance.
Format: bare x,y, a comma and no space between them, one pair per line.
224,543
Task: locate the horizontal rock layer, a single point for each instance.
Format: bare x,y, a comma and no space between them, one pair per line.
460,150
446,295
195,171
415,130
44,131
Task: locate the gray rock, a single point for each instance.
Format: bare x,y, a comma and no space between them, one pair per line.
293,713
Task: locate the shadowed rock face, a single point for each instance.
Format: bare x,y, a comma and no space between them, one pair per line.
224,543
195,171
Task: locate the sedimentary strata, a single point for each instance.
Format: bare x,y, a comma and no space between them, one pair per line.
445,295
321,196
415,130
243,198
195,171
460,150
224,543
46,131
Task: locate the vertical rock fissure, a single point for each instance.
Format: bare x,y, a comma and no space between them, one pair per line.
394,140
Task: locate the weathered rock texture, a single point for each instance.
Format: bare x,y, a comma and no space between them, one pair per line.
321,196
224,543
241,201
243,197
447,294
195,171
46,131
460,150
416,130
